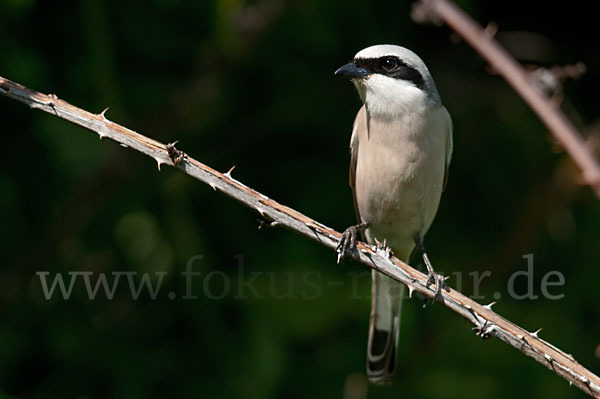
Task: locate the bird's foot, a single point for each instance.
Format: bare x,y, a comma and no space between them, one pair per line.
175,155
382,246
440,283
348,241
432,277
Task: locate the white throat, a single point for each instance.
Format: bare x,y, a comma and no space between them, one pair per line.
391,98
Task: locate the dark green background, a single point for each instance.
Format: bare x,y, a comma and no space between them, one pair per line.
250,83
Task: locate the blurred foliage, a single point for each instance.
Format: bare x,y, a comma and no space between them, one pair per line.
250,83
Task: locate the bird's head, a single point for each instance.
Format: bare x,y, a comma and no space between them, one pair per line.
391,80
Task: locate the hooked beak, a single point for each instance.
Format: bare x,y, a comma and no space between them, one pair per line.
352,71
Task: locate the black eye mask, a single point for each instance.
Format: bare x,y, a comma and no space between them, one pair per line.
393,67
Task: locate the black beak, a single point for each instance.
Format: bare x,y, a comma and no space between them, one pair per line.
352,71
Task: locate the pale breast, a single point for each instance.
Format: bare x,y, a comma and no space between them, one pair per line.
399,177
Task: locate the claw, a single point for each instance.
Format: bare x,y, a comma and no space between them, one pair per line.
440,283
347,241
432,276
382,246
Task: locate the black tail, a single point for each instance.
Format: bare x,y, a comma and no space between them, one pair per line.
384,328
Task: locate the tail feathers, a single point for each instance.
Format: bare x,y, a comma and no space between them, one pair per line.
384,328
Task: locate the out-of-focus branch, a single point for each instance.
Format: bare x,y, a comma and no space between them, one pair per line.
487,322
517,77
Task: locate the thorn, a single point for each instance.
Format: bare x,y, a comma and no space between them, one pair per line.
570,383
410,291
468,307
489,305
339,257
101,134
228,174
262,213
520,336
311,226
548,357
124,145
103,114
158,162
214,187
535,334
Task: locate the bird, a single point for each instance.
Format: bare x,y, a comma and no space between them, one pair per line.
400,151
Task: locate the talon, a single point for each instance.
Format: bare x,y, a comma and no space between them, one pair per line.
382,246
440,283
175,155
433,277
347,241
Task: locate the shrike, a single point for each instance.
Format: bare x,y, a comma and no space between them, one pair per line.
400,151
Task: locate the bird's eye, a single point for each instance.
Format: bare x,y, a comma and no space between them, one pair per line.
389,63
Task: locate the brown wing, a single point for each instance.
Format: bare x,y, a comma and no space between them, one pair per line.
360,122
353,157
449,147
445,179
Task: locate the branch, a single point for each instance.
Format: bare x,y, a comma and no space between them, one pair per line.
486,321
517,77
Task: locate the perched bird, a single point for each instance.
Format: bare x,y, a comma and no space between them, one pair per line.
400,150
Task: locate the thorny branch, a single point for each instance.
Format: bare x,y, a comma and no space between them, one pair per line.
484,43
486,322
